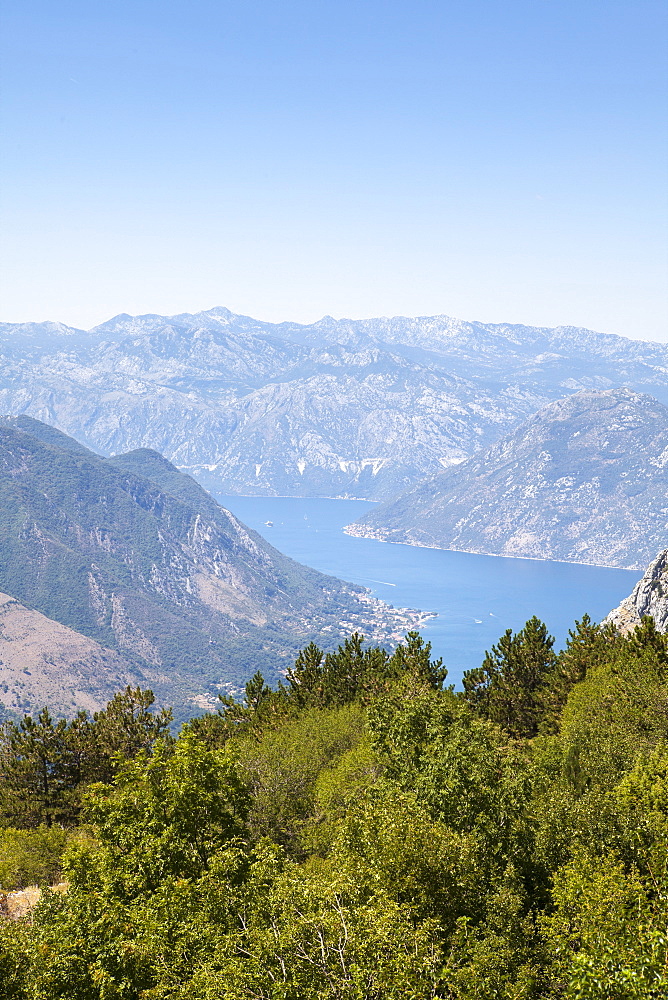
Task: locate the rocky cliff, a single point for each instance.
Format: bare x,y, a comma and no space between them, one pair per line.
337,408
584,480
649,597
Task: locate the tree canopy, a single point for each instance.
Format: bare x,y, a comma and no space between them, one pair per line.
360,833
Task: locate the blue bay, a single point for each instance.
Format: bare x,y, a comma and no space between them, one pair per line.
476,597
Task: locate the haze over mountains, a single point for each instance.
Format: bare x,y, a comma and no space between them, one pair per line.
487,438
583,480
124,570
363,408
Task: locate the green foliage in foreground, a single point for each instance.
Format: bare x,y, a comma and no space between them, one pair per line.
360,834
31,857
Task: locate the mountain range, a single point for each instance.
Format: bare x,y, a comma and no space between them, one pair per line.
584,480
363,408
125,570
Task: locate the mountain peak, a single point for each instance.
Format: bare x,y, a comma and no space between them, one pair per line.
583,480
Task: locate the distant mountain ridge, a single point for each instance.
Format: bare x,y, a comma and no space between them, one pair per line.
164,584
362,408
584,480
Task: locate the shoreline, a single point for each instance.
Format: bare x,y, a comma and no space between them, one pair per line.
473,552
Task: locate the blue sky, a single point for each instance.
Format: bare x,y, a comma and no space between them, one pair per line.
500,161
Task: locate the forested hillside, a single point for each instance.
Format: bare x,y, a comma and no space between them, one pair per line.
362,833
125,570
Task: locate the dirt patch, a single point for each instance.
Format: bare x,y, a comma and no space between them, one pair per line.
226,599
15,905
45,663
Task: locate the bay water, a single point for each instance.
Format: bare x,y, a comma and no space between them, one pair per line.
475,597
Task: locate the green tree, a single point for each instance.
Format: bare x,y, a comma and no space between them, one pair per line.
608,935
46,764
31,857
510,686
125,728
310,932
305,679
412,657
282,765
355,672
35,769
15,962
167,814
467,775
152,892
588,647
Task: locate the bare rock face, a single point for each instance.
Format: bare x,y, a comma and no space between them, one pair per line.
363,408
649,597
44,662
584,480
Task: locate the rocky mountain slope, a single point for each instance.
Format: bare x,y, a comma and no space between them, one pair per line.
44,662
584,480
648,597
125,567
337,408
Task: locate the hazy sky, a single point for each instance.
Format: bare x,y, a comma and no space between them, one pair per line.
498,160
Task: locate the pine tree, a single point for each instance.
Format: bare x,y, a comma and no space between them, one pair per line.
508,689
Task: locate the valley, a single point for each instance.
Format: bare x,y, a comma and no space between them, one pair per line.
489,439
471,598
125,570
